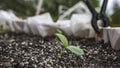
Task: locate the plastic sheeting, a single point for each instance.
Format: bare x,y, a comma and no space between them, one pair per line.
81,26
112,35
8,18
65,26
40,25
43,25
80,8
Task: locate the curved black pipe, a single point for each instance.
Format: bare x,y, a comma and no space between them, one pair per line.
98,16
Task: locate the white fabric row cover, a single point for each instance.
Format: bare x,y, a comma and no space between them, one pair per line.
43,25
112,35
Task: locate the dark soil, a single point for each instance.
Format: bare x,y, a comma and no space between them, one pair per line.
29,51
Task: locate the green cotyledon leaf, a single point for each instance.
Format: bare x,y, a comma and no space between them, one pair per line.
76,50
63,39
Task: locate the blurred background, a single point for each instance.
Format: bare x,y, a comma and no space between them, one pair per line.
26,8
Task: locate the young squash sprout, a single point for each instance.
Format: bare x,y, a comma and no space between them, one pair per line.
1,31
64,42
1,26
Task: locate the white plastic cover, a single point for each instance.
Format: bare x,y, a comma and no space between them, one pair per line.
40,25
8,18
79,26
65,26
112,35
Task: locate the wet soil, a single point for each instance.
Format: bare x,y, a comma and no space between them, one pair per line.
30,51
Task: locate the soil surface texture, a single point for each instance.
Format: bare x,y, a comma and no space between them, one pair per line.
30,51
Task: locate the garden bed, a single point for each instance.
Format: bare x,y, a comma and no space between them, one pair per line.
30,51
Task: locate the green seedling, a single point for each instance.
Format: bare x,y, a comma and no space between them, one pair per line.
7,27
1,26
59,31
72,48
1,30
